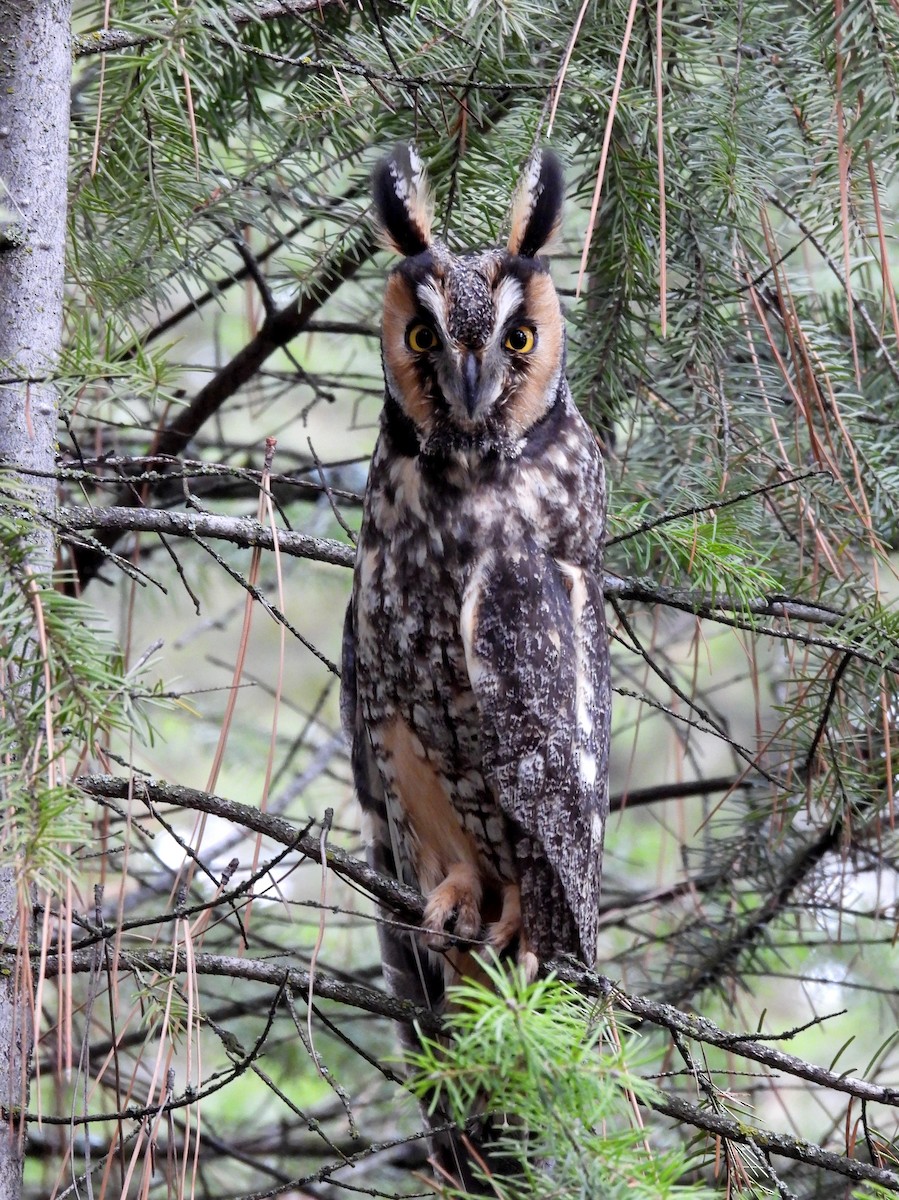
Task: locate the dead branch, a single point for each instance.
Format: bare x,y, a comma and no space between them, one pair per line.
278,328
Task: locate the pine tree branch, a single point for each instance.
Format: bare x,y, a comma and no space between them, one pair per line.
114,520
108,41
240,531
680,789
780,1144
276,331
869,322
788,607
396,896
225,282
716,965
713,506
408,903
380,1004
324,987
700,1029
741,616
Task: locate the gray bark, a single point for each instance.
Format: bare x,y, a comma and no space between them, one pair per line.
35,76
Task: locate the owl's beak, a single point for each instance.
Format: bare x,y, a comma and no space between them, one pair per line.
471,381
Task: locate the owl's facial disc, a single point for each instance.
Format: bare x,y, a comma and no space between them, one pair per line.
472,342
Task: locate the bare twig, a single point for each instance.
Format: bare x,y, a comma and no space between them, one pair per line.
396,896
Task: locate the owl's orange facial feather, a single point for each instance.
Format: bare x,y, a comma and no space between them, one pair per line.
535,390
401,365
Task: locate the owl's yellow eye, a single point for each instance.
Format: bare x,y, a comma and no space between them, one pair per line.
522,340
421,338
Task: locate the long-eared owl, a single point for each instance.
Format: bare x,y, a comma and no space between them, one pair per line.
475,668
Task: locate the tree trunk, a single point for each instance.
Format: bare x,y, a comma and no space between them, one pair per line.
35,76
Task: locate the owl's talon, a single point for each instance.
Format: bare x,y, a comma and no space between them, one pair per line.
508,927
454,908
504,931
528,961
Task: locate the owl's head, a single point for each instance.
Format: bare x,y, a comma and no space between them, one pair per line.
473,344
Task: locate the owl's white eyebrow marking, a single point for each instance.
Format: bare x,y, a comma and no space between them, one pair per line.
431,298
507,298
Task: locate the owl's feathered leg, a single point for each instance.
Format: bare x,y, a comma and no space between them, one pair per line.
410,972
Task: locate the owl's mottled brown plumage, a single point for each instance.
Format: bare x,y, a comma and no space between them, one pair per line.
476,681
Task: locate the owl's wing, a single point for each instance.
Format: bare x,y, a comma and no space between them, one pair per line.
537,656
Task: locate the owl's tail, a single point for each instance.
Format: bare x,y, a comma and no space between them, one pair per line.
462,1157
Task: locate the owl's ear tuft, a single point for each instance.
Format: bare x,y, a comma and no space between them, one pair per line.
403,201
537,206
